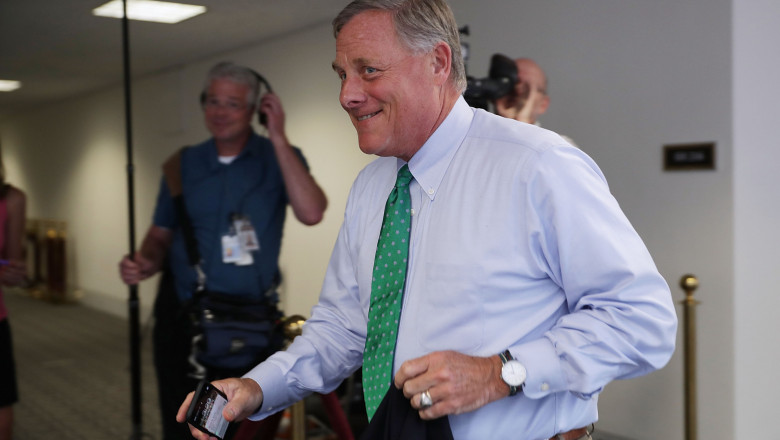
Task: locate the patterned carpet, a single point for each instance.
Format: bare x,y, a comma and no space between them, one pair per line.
73,368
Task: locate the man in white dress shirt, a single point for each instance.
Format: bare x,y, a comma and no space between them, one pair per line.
519,261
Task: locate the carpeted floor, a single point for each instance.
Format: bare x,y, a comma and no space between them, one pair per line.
73,368
73,371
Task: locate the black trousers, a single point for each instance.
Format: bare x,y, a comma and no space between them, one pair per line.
172,341
9,393
171,347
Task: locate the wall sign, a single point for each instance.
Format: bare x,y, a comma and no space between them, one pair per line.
682,157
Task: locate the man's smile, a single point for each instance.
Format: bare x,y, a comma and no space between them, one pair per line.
370,115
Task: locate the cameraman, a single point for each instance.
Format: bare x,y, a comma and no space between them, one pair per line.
529,100
235,172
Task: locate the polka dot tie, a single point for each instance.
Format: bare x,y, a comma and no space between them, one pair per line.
387,290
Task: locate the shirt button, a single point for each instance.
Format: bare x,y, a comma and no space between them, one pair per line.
430,191
545,386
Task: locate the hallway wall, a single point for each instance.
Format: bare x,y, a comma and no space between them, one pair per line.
756,216
625,78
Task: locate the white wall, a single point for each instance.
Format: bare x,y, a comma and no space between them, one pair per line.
756,216
625,78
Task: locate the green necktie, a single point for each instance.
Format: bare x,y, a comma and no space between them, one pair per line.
387,290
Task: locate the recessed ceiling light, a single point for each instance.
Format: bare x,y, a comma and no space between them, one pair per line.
149,10
9,86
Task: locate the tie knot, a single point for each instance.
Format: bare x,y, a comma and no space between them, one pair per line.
404,177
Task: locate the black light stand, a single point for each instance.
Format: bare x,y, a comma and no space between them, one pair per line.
133,301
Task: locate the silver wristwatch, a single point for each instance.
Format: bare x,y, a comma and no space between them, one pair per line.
512,372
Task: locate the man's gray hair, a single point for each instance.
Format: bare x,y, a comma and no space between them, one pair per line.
420,25
237,74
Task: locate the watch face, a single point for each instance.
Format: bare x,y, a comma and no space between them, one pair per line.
513,373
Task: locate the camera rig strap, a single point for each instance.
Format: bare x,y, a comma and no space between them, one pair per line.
172,173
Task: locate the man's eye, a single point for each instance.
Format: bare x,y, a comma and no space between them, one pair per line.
370,70
342,76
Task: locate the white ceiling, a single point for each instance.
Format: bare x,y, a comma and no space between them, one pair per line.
58,49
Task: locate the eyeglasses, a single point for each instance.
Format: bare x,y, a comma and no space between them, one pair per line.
231,106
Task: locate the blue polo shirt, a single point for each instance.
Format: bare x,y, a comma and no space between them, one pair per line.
251,185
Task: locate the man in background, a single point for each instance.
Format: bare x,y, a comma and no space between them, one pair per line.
235,177
529,99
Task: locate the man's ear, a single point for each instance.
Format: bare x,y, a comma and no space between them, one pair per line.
442,62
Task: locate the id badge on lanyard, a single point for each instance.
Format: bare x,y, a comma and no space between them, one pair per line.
240,241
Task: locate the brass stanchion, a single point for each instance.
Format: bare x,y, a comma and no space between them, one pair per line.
293,326
689,283
47,240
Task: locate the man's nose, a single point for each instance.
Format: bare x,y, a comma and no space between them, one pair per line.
352,93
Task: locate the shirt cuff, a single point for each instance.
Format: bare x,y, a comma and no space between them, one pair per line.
273,384
545,375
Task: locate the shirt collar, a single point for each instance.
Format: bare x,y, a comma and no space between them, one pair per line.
430,163
253,146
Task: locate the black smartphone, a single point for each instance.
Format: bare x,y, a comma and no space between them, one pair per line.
205,411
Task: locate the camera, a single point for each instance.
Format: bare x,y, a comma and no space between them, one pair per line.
500,82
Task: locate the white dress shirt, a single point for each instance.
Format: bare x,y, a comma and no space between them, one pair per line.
516,244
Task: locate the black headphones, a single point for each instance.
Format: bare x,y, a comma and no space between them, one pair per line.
262,82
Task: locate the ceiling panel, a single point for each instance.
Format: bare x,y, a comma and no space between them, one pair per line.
58,49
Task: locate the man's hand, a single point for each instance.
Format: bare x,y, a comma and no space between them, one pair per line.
271,107
244,399
149,258
524,104
136,270
456,382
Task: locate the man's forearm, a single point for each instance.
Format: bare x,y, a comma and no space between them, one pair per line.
154,249
306,197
